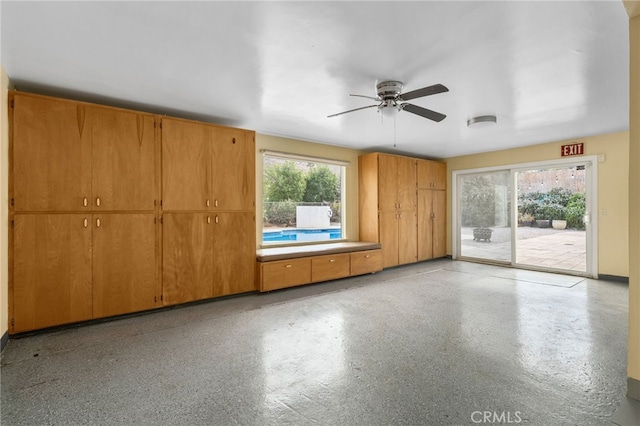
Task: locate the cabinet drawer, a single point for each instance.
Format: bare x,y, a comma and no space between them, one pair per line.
329,267
365,262
286,273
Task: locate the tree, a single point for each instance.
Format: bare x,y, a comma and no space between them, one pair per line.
284,182
322,185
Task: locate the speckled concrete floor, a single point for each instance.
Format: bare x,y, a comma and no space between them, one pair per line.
437,343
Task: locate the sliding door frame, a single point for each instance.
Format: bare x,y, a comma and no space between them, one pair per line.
591,208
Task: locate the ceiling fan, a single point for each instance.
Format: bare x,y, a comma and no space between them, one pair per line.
390,97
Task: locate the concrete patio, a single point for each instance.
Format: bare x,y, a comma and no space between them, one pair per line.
542,247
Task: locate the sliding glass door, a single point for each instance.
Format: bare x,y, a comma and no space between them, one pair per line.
551,232
485,216
534,216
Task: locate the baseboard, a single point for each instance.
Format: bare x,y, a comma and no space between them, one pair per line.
4,340
633,388
615,278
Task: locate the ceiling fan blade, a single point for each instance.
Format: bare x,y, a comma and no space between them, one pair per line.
368,97
425,91
423,112
352,110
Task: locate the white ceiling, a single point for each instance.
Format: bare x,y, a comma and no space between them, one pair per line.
548,70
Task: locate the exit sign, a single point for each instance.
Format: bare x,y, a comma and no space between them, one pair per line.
572,149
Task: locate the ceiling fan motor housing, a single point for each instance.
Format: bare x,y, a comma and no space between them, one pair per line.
389,89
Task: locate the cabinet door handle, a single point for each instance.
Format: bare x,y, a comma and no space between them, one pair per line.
208,203
287,266
97,223
367,256
98,201
215,203
208,219
217,219
331,260
86,222
85,202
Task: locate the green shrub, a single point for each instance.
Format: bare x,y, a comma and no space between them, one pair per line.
575,211
280,213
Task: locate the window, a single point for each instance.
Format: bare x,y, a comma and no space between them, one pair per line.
303,199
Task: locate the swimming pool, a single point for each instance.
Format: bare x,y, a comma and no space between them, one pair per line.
301,235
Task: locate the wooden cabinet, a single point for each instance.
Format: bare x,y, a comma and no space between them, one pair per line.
187,257
207,167
52,281
396,211
92,237
285,273
330,267
432,174
431,224
88,157
432,199
366,262
123,169
51,162
233,252
125,264
396,183
275,270
387,206
75,267
84,188
208,186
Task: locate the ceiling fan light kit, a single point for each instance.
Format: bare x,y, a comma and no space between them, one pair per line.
392,100
482,121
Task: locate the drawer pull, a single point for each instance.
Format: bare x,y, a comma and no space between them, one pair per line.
332,260
287,266
367,256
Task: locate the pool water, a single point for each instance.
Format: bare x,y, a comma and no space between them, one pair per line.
302,235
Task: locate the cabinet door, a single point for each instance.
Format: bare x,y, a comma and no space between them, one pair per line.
51,163
123,159
186,163
124,263
439,175
52,270
406,183
387,183
407,237
432,174
388,222
187,257
234,253
439,223
425,224
233,170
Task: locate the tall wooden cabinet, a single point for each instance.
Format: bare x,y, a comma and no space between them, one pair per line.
387,187
106,202
208,187
397,212
432,202
83,197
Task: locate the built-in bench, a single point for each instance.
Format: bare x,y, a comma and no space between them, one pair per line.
281,267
